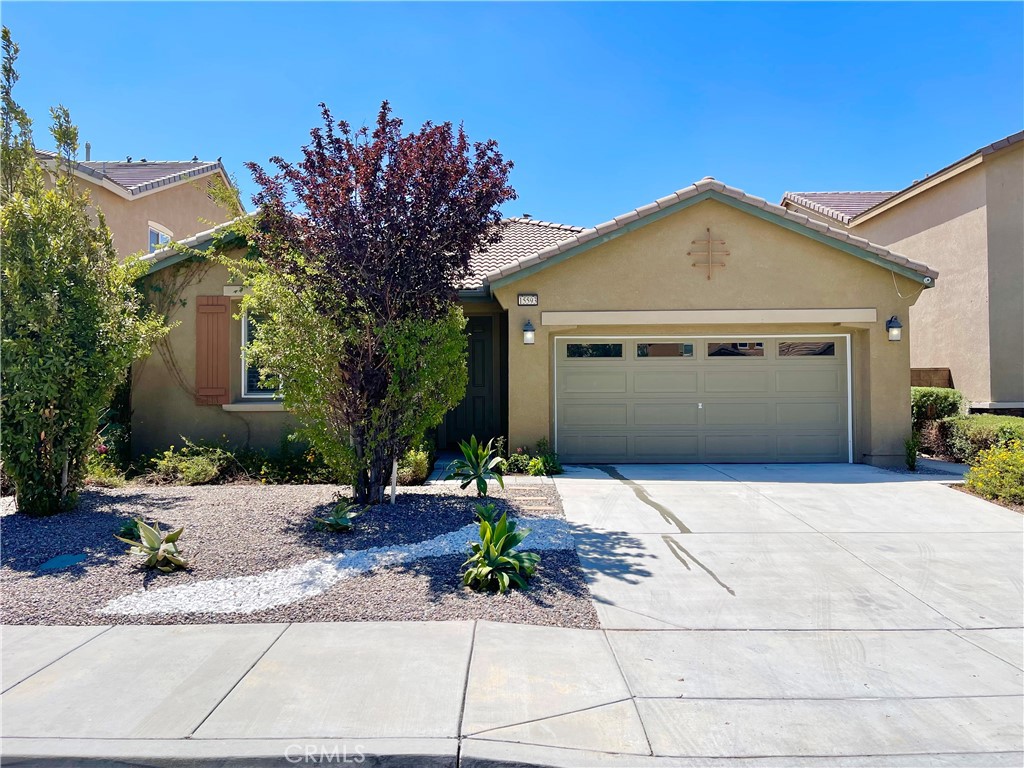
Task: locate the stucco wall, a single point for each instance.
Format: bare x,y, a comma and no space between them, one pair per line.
163,410
1004,187
768,267
184,210
946,227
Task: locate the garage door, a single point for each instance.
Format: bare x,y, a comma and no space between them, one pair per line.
702,399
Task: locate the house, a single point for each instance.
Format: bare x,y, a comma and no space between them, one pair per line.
149,203
707,326
967,221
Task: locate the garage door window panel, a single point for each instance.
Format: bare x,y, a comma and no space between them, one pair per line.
727,349
661,351
807,349
593,351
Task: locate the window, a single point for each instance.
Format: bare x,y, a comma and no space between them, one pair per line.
584,351
251,386
158,237
736,349
664,350
807,349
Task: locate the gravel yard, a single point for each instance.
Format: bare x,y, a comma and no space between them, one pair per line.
244,530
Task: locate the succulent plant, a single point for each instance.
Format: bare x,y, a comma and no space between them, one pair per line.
341,517
480,462
159,549
495,563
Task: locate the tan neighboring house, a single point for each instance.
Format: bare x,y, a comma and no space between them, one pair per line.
150,203
707,326
967,221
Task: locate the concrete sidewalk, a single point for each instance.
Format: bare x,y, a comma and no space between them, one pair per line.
486,694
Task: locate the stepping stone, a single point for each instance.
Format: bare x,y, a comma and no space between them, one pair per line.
61,561
538,509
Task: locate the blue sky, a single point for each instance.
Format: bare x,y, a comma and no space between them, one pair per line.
602,107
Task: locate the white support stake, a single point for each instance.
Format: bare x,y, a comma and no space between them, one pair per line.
394,479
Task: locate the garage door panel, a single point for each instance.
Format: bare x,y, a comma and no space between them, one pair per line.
828,414
737,414
670,414
745,381
806,379
581,381
738,447
662,382
667,447
811,447
698,408
595,415
593,447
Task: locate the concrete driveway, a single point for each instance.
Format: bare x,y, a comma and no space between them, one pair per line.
803,611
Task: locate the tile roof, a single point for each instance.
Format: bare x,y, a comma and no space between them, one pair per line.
141,176
708,184
521,237
847,206
842,206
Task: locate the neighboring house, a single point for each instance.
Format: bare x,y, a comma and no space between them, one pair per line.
967,221
147,204
708,326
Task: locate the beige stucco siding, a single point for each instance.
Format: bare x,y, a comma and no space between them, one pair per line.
183,209
768,267
163,403
946,227
1004,186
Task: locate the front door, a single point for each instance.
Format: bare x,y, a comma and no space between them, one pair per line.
478,413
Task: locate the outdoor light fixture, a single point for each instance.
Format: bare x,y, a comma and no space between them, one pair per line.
529,333
895,328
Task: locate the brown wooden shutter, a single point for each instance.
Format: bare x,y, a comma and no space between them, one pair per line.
213,336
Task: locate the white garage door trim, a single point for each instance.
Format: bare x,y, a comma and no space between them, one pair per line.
556,338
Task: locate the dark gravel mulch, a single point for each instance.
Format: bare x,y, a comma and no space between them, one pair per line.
241,529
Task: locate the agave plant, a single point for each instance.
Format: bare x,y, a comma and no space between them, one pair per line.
495,563
486,512
159,549
341,518
480,463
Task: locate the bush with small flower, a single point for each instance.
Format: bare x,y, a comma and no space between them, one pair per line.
998,473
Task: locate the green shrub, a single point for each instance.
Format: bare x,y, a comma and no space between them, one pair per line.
552,464
934,403
962,437
518,461
479,464
101,470
912,445
294,462
414,467
998,472
192,464
536,467
495,564
341,518
160,550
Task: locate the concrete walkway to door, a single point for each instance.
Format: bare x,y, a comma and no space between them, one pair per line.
793,611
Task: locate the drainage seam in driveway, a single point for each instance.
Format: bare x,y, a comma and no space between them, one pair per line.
239,680
629,690
852,554
986,650
51,663
475,734
465,695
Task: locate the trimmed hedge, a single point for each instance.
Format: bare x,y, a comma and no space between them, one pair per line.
928,403
961,438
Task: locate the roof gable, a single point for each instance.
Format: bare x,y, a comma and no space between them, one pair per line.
841,206
710,189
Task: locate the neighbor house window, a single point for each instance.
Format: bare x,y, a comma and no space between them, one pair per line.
807,349
251,386
664,350
158,237
584,351
736,349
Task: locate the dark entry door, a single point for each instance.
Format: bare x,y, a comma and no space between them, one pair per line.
477,414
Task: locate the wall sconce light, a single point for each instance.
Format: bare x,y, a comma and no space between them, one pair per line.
895,328
529,333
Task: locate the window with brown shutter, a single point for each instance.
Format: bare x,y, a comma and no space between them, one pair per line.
213,357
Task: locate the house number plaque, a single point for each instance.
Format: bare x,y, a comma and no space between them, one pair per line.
528,300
